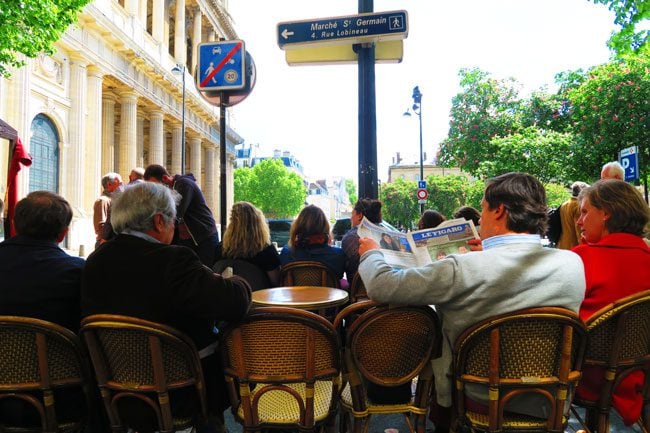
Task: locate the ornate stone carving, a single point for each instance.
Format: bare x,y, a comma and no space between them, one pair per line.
50,68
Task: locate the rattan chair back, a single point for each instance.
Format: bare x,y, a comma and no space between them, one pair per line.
536,350
135,358
619,342
388,346
282,369
308,273
357,289
38,360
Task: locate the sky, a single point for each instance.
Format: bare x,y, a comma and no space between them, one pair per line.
312,111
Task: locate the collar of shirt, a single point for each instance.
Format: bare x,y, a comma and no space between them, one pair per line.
140,235
518,238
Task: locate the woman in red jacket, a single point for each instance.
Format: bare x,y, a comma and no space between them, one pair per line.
613,219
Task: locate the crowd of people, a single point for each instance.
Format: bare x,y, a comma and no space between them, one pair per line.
157,242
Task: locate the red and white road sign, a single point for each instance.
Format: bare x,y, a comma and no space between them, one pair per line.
422,194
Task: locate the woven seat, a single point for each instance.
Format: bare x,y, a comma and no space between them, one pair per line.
137,361
619,342
282,369
357,289
537,352
44,366
388,347
308,273
257,278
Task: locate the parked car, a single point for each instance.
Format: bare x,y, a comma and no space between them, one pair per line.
280,231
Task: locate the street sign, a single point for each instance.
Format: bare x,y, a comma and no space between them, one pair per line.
422,194
422,184
222,65
360,28
385,52
629,159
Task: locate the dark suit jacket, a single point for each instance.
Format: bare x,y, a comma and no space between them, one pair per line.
161,283
38,279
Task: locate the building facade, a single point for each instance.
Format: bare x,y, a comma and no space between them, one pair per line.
108,101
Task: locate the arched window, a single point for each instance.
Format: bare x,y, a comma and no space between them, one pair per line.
44,148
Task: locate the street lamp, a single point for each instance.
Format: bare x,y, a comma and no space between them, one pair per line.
176,70
417,109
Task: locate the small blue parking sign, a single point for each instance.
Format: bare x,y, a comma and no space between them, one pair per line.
630,161
422,184
222,65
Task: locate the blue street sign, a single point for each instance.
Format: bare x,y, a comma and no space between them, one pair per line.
222,65
422,184
347,29
630,161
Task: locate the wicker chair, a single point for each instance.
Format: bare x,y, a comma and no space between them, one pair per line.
44,366
254,275
282,368
308,273
536,350
389,347
357,289
619,342
146,363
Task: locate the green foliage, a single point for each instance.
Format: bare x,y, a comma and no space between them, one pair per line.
32,26
611,111
351,189
628,14
399,203
446,193
544,154
272,187
556,194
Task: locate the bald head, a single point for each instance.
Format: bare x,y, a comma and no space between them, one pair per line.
612,170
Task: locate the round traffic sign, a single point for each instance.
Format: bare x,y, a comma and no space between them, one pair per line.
422,194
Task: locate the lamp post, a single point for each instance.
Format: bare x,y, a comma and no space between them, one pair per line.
417,109
176,70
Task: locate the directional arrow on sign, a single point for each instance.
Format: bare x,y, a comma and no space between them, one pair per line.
286,33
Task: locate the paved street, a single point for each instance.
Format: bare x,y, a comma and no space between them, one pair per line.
380,423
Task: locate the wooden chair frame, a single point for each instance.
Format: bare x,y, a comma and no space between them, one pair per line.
57,361
308,273
357,289
161,343
305,358
619,341
387,346
255,276
495,345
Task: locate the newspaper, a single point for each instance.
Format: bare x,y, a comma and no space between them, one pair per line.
420,247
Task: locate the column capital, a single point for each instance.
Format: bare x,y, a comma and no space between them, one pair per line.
95,71
78,59
129,96
109,97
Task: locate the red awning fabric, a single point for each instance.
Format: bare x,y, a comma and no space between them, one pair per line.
18,157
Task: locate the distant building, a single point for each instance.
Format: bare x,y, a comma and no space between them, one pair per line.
289,161
399,170
330,195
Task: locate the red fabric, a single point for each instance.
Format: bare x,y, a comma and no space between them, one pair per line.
20,156
615,267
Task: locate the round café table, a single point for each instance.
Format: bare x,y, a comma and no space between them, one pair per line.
303,297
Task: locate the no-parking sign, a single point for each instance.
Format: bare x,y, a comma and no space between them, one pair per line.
422,194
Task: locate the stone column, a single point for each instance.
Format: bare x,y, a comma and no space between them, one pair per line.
195,161
179,33
196,37
143,14
75,153
128,136
93,165
177,142
212,35
156,138
209,181
108,133
158,21
139,143
132,7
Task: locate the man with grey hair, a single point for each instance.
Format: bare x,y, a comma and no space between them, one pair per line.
569,213
140,274
612,170
111,182
136,175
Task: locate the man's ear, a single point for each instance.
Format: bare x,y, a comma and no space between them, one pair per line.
499,211
158,223
62,235
167,180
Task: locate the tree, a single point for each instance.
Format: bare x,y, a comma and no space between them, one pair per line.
272,187
628,14
31,27
399,203
447,193
351,189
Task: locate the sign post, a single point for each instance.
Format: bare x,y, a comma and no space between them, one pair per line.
629,159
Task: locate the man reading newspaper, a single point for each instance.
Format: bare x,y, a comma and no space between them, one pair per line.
513,271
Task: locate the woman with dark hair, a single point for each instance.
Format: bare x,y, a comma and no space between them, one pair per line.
469,213
309,240
613,219
430,219
365,207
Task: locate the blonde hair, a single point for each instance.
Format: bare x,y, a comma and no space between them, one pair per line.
247,233
311,221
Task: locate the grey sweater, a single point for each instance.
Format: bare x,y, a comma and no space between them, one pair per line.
468,288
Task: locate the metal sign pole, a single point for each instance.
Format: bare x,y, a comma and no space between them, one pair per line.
222,162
